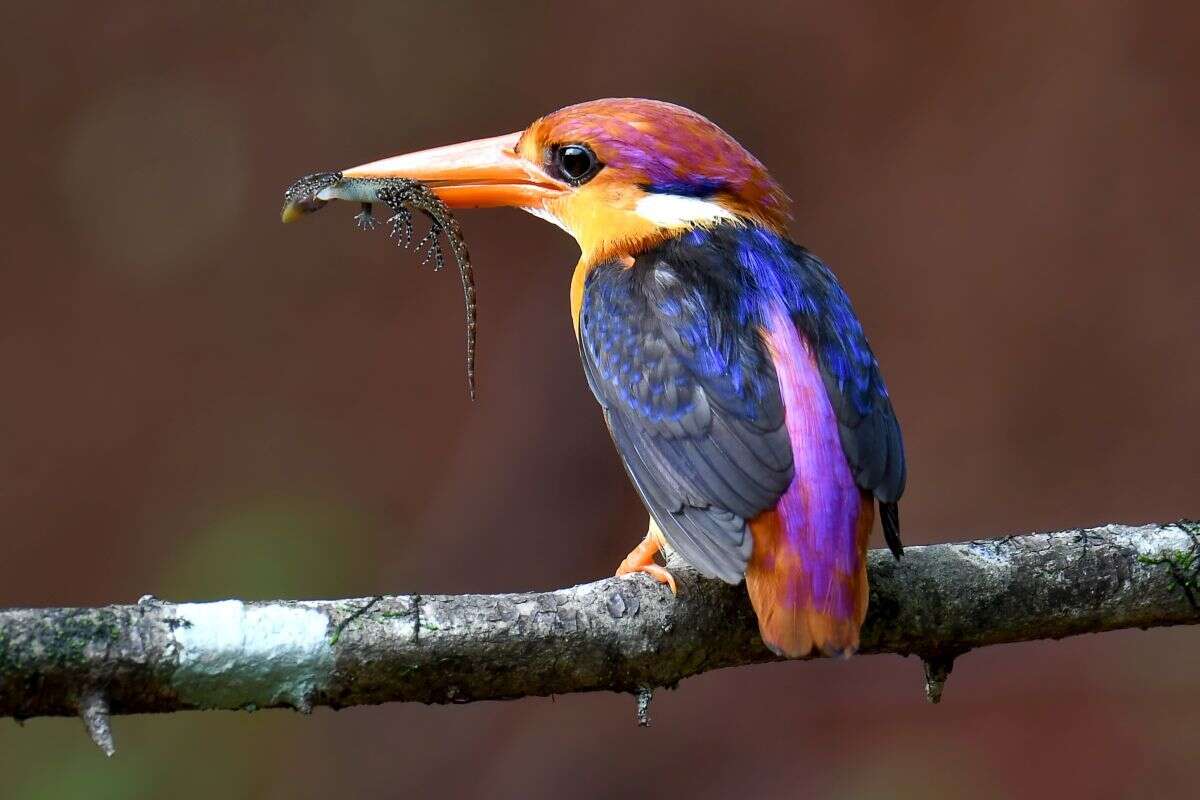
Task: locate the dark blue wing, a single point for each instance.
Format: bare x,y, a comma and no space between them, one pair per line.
869,430
821,311
692,400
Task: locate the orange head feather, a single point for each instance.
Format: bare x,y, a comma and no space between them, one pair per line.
658,168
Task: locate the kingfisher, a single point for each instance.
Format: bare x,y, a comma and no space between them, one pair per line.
735,377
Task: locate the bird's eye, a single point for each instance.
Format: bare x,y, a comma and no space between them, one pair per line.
575,163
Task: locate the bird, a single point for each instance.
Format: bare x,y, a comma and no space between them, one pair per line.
735,378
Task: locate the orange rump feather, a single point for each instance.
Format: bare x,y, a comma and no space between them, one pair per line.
789,622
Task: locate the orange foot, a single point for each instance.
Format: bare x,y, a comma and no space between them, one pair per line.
641,559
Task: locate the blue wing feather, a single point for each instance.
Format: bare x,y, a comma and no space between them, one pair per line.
692,402
673,352
821,310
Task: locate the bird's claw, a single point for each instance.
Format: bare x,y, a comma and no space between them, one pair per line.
659,573
641,559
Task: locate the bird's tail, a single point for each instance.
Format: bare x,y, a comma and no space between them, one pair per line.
809,587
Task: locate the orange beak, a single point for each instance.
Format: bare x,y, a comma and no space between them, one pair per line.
483,173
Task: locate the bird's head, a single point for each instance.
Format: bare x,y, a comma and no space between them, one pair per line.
619,175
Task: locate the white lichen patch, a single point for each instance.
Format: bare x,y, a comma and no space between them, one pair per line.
985,556
233,654
1152,541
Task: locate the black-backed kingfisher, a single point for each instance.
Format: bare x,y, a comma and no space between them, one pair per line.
733,373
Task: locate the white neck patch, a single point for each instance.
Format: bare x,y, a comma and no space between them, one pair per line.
677,211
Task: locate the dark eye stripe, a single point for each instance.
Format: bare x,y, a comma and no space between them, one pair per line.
698,187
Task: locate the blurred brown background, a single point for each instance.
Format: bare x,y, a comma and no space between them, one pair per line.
199,402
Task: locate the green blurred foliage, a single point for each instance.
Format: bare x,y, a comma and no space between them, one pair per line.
54,759
274,548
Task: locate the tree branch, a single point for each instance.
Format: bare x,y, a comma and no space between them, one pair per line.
625,635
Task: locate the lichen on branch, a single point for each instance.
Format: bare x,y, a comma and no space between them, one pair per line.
624,635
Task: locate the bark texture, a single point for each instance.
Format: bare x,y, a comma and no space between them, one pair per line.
623,635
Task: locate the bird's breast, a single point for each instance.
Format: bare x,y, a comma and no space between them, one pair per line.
579,278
